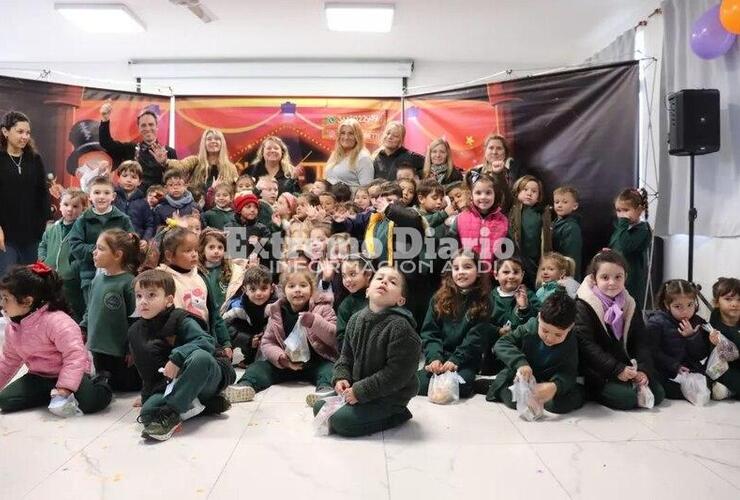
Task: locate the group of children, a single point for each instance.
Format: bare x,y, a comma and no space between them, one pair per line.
145,283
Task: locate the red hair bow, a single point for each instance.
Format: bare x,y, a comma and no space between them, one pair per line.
40,268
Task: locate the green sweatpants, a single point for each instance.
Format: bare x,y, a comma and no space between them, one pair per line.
72,291
619,395
262,374
466,389
362,419
32,391
561,403
199,377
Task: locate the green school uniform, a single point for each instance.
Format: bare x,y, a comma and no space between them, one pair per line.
633,242
111,304
557,364
567,239
351,304
219,218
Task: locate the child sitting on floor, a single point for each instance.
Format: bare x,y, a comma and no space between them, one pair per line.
169,344
542,348
556,272
725,317
376,371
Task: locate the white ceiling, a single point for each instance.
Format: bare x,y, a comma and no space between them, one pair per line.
515,33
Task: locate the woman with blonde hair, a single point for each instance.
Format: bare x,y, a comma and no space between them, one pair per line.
350,162
210,166
438,163
273,160
392,153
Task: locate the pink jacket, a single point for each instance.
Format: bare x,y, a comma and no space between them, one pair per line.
480,234
322,335
50,343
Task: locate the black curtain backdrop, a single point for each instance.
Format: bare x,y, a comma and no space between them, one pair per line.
578,128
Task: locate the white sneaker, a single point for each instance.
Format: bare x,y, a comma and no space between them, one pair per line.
321,393
720,392
239,393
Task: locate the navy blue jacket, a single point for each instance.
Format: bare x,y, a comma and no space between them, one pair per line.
672,350
137,209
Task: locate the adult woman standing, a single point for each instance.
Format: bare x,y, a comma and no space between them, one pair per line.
350,162
151,155
392,153
24,198
438,163
210,165
273,160
500,166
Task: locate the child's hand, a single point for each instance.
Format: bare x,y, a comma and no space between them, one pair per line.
545,391
449,366
341,386
434,367
522,302
525,373
382,204
627,374
2,240
296,367
254,260
685,328
256,341
137,402
349,396
253,240
714,337
171,370
143,244
641,378
327,270
307,319
228,352
504,330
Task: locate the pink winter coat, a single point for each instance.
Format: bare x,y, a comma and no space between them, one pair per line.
50,344
322,334
480,234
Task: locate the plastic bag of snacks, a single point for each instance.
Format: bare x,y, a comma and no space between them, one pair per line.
522,391
694,387
64,406
445,388
645,397
296,345
724,351
321,420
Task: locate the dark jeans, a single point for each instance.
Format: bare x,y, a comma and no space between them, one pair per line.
18,253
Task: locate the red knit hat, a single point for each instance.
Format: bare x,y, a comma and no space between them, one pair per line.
243,199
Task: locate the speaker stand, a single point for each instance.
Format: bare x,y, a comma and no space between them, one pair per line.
692,218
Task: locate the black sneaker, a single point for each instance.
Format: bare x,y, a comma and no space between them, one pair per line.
216,405
481,385
163,424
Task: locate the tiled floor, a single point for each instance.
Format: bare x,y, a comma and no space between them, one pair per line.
266,449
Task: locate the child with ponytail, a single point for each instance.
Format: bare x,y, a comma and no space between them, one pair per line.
43,336
631,238
111,305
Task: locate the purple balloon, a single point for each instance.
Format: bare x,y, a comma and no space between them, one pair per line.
709,39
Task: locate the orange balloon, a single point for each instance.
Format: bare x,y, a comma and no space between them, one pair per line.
729,15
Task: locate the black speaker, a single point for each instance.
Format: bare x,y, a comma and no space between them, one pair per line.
693,116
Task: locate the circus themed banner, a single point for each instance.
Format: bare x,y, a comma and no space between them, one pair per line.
65,119
308,126
577,128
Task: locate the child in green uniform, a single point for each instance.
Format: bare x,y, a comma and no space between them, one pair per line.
513,305
84,234
544,349
530,225
356,275
457,322
376,371
168,344
566,228
54,249
221,215
214,264
725,317
632,237
112,303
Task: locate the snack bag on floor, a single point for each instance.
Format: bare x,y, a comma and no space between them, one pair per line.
445,388
694,388
526,404
321,420
645,397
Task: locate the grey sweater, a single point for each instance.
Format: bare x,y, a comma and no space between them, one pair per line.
360,175
380,356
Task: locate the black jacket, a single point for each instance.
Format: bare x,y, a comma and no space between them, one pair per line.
24,199
673,350
122,151
386,165
285,184
602,356
138,210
